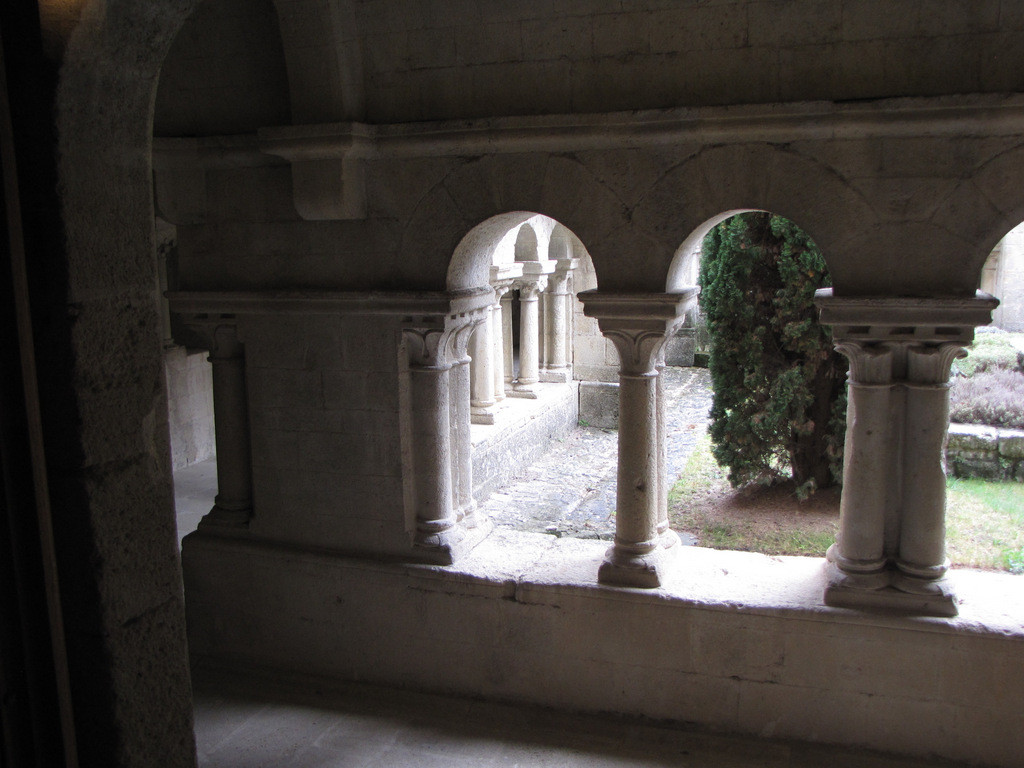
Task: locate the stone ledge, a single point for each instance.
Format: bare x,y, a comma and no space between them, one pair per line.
994,453
731,640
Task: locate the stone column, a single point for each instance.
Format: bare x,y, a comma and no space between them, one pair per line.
436,535
890,550
461,438
481,349
666,535
498,362
556,366
870,448
507,342
921,559
529,336
233,504
638,325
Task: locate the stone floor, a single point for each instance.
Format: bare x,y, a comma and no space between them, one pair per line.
253,724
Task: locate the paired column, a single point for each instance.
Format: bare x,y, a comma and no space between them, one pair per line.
436,430
639,325
529,336
498,363
461,410
481,350
890,551
558,294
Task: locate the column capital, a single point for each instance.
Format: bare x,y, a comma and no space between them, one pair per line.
531,287
219,333
638,324
559,281
501,273
502,287
441,340
883,319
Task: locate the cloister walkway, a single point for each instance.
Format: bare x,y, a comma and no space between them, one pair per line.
569,491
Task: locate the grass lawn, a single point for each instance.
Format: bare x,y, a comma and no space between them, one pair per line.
985,520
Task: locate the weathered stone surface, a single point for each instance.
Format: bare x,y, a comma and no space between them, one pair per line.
972,437
599,404
1011,443
987,469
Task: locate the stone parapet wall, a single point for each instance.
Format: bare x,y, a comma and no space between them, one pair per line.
985,452
734,640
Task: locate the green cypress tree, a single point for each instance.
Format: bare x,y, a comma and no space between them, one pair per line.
779,408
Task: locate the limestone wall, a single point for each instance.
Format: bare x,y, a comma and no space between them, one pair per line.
987,452
326,446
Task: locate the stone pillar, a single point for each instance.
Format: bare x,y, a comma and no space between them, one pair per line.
498,362
436,428
638,326
666,535
481,350
529,336
436,535
233,504
890,550
921,559
556,366
507,342
870,450
461,440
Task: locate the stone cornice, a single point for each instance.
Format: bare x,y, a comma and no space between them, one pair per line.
894,319
929,116
418,304
637,310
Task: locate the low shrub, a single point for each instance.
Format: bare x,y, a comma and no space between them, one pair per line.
988,352
994,397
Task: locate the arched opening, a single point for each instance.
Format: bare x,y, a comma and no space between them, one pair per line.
986,416
529,356
777,415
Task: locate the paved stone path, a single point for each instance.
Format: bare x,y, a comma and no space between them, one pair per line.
570,491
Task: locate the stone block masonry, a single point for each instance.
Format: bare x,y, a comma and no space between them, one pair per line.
991,453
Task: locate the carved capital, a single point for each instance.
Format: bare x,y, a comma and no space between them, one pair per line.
530,288
639,350
424,347
639,324
501,288
931,363
869,363
440,341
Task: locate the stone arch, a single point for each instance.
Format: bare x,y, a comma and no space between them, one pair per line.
979,213
103,112
526,247
691,197
484,191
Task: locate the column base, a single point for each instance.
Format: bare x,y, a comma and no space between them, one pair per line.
482,415
556,375
523,390
221,518
447,547
888,591
646,571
